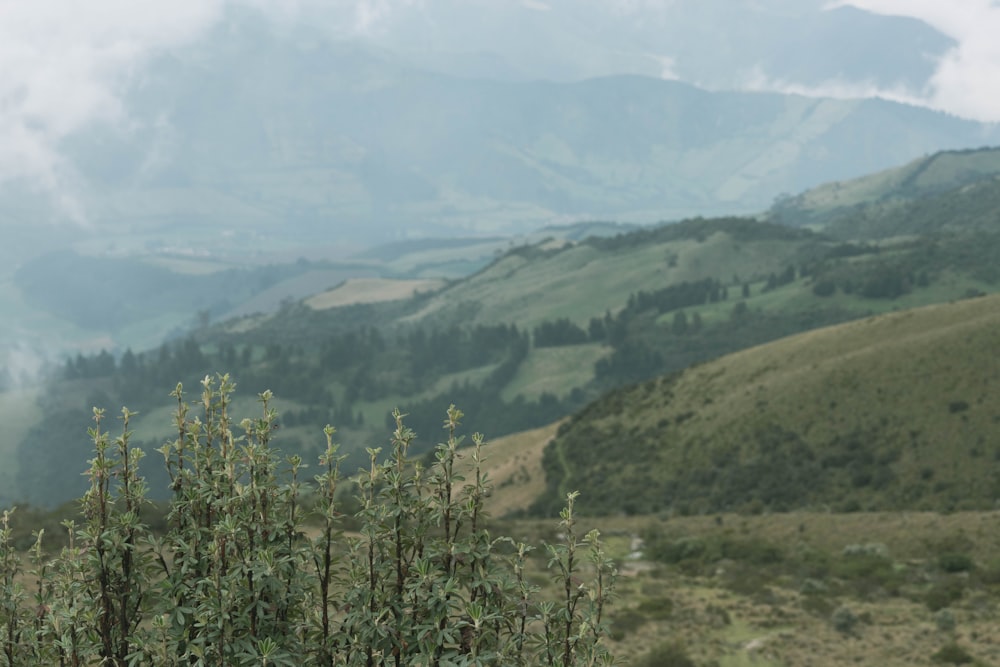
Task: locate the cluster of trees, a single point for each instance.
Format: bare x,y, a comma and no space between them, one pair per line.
329,379
235,580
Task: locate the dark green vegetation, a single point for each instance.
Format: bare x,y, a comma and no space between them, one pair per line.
254,569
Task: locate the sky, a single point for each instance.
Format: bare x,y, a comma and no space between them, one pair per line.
65,63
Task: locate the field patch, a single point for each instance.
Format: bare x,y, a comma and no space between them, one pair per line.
555,370
370,290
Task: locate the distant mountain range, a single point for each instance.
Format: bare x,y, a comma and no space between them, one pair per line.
256,141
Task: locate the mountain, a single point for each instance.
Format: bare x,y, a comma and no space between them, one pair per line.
257,140
718,44
892,412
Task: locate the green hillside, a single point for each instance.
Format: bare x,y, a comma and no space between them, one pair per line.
946,191
892,412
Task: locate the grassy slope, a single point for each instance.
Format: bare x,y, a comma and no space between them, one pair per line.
581,281
555,370
514,466
909,398
887,190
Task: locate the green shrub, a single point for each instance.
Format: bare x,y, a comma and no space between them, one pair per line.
952,654
626,622
667,654
844,620
867,572
235,580
657,608
943,593
955,562
944,619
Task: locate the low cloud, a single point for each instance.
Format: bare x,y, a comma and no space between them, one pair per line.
63,65
965,81
839,89
668,67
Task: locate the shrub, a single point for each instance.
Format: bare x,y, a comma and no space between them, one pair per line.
625,623
657,608
844,620
944,619
955,562
236,581
952,654
944,592
668,654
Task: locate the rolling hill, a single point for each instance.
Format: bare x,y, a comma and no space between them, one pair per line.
546,325
946,191
891,412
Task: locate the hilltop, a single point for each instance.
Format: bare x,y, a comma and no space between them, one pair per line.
890,412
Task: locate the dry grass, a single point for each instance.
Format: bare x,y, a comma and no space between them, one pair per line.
370,290
514,466
775,626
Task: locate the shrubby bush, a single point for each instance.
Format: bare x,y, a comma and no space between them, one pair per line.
668,654
952,654
239,578
844,620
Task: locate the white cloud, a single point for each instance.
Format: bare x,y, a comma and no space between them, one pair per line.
965,82
840,89
63,64
536,5
668,67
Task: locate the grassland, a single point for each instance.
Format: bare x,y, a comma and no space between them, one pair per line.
554,370
892,411
926,176
530,288
514,465
773,589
